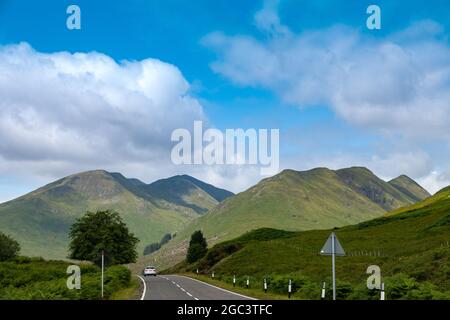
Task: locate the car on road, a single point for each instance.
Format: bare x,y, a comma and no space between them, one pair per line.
149,271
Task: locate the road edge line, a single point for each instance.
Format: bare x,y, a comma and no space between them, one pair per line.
211,285
145,287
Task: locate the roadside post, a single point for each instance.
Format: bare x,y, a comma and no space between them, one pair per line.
289,288
234,280
265,285
197,271
248,282
322,296
103,269
212,275
333,247
382,297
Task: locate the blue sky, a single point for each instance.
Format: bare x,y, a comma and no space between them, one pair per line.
326,125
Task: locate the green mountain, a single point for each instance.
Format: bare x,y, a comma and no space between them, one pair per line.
409,187
40,220
292,200
411,247
187,191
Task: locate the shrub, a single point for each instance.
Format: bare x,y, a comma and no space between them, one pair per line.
9,248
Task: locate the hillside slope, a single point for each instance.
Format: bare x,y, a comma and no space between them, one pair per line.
411,247
410,188
292,200
40,220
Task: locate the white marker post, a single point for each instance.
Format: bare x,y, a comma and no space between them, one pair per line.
103,267
382,297
323,291
289,288
248,282
333,247
234,281
197,271
212,275
265,285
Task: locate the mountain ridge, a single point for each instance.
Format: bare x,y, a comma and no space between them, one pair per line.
40,220
292,200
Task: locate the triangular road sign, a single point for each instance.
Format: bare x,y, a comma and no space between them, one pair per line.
327,249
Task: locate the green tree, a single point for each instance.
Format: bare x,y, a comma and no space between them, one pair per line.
153,247
103,230
167,237
9,248
197,247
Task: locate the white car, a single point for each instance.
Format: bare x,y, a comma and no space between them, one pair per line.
149,271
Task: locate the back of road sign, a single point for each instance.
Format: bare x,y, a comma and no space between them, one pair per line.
327,249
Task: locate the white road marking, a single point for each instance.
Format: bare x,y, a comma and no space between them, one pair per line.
145,287
180,287
225,290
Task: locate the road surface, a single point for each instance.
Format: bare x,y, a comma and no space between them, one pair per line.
171,287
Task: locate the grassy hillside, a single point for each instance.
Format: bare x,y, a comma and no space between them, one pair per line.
40,220
409,187
36,279
384,194
294,201
188,192
411,247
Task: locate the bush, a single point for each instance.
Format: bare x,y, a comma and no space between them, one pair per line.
9,248
34,279
197,247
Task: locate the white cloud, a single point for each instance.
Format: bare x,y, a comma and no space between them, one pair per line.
62,112
435,181
395,84
267,19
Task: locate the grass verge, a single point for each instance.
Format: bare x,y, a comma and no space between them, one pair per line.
133,292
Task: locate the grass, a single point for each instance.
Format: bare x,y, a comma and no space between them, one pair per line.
26,278
294,201
410,247
40,221
132,292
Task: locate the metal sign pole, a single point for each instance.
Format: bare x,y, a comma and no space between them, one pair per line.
333,247
103,266
333,255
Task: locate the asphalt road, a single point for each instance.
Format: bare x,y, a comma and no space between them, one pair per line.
171,287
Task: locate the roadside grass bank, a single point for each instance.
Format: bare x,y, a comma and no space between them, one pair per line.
132,292
25,278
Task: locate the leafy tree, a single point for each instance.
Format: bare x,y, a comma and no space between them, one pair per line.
151,248
167,237
197,247
103,230
9,248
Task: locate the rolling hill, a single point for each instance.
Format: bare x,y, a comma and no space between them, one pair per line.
41,219
411,246
293,200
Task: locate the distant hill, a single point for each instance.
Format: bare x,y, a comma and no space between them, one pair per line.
40,220
294,200
187,191
410,188
411,246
